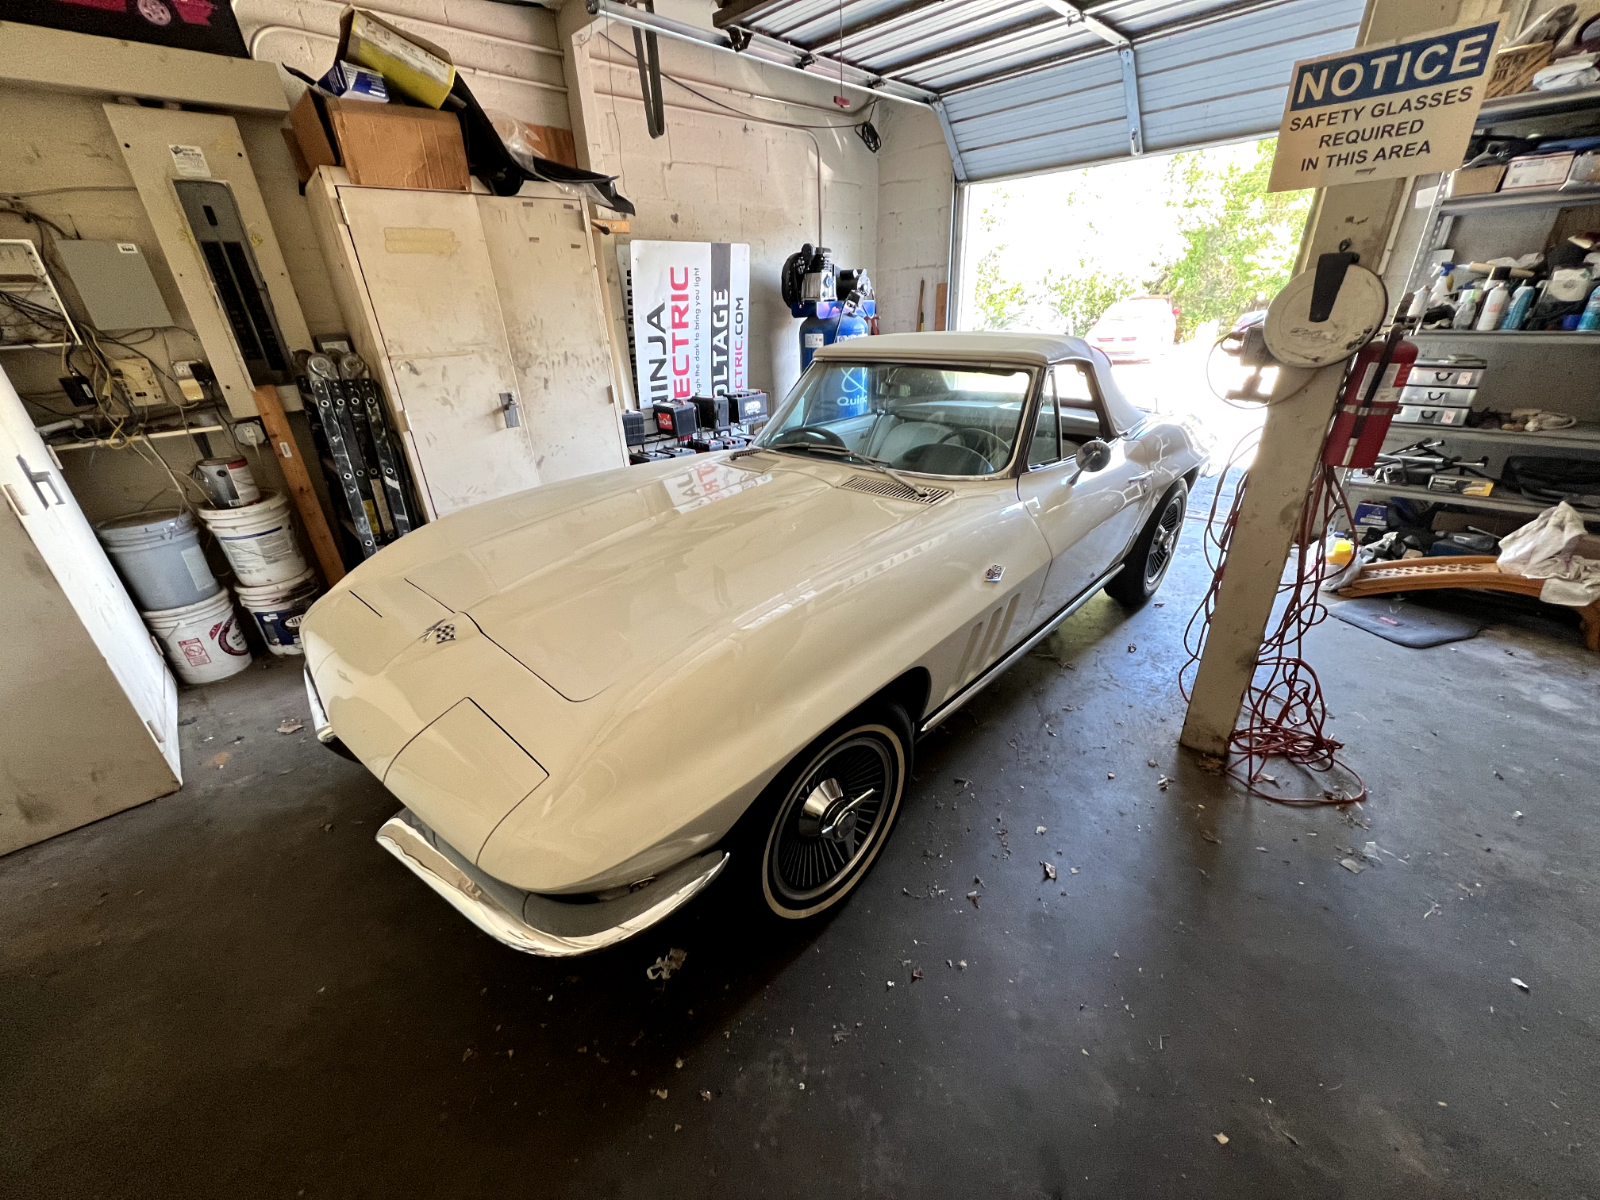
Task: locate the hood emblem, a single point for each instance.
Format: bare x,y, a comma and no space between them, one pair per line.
440,632
993,574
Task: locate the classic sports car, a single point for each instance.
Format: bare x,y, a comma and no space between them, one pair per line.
594,696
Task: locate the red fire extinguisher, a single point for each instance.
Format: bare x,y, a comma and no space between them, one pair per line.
1370,398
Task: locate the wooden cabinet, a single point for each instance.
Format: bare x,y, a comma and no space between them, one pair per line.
461,303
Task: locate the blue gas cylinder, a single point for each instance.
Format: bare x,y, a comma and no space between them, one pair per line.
818,331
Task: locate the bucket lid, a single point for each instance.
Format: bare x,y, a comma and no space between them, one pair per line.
152,521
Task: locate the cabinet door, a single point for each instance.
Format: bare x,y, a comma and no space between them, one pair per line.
555,323
93,711
427,273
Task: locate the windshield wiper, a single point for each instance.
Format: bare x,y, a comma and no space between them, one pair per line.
877,464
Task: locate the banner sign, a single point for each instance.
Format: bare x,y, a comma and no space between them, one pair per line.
1382,112
205,25
691,319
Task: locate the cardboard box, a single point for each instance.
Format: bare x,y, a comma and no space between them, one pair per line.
381,145
417,69
1537,171
1474,181
1514,69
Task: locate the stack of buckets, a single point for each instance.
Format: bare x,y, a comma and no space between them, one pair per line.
189,611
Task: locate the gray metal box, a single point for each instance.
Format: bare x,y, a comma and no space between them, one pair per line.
115,284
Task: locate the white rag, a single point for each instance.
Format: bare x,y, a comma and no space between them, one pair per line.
1542,549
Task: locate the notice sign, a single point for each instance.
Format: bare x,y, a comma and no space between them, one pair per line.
691,319
1381,112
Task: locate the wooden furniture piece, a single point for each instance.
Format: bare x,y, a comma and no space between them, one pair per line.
1459,571
482,318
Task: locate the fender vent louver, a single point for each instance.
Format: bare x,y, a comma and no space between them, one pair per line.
878,485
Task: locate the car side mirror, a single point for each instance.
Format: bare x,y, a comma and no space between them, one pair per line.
1093,455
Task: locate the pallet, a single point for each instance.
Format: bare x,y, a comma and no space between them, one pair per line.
1459,571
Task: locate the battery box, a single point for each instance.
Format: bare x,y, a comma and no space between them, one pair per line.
633,427
748,407
711,411
640,457
705,444
675,418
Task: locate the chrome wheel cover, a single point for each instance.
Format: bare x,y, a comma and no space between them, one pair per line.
1164,544
832,818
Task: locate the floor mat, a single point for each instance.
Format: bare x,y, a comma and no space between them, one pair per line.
1407,623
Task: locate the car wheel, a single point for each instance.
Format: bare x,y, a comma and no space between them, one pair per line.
818,827
154,11
1152,552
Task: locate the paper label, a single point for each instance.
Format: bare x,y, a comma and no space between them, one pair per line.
195,559
190,162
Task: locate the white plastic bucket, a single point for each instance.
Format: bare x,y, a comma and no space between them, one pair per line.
203,641
158,556
279,608
258,540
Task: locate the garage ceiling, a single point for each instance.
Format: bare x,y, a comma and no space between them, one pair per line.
1045,84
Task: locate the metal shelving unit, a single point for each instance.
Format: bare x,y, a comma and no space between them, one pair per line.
1511,351
20,264
1408,491
1521,199
1518,337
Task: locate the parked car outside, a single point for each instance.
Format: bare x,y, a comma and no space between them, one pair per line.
1136,329
596,696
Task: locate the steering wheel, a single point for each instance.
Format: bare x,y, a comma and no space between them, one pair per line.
817,434
986,443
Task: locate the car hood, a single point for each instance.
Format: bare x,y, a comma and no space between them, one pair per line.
589,581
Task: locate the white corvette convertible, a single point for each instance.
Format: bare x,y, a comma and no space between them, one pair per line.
595,696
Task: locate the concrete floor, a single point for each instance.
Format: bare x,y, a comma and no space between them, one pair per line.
234,992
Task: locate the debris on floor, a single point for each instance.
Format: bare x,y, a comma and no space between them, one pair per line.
291,725
1040,829
219,760
1222,1138
1351,865
664,966
973,896
1049,870
1211,837
1163,783
1519,983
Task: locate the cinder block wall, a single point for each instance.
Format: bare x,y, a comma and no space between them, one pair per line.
732,167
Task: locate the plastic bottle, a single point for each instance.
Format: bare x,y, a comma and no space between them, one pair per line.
1494,301
1467,308
1591,313
1441,285
1521,302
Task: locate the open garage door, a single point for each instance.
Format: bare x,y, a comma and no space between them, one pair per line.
1047,84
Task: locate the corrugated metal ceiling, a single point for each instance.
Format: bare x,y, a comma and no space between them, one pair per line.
1031,86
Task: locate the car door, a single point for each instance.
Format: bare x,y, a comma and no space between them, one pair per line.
1088,518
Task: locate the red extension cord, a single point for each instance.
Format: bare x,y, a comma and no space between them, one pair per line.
1284,710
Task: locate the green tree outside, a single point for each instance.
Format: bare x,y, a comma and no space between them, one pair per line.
1241,239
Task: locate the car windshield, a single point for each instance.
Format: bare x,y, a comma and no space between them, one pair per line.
918,417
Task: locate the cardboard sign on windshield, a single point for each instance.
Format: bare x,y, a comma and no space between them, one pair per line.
1383,112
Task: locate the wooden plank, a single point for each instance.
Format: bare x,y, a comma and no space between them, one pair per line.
293,465
62,60
941,295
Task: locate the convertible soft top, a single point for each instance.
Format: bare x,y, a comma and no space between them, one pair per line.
990,348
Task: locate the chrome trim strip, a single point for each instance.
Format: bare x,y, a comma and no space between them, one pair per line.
536,924
319,715
998,667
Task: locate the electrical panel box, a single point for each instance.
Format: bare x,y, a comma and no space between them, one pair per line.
115,284
224,242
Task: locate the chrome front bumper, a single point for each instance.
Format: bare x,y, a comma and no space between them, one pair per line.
538,924
320,723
